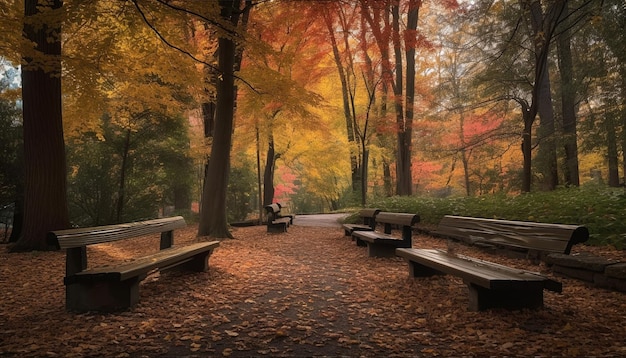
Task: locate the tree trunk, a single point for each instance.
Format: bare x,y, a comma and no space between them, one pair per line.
568,102
45,182
403,183
528,115
213,221
546,156
623,122
268,174
350,130
121,189
611,142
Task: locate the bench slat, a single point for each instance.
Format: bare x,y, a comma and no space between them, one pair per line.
402,219
517,234
71,238
482,273
378,237
143,265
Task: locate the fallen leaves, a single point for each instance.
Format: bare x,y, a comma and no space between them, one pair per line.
307,292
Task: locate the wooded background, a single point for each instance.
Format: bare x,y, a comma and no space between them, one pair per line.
126,108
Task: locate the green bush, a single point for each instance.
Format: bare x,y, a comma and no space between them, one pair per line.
601,209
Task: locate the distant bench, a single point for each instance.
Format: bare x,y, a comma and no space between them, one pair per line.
277,222
383,244
490,285
368,217
116,287
532,238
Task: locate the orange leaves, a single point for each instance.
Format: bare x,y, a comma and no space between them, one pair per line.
310,291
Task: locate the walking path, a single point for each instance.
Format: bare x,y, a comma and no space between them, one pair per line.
308,292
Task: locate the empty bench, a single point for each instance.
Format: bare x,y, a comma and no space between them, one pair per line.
383,244
277,222
531,238
490,285
368,217
116,287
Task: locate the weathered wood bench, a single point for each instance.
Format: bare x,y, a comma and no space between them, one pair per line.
533,239
116,287
490,285
368,217
383,244
276,222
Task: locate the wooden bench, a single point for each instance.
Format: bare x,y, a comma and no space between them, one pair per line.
276,222
531,238
368,217
116,287
383,244
490,285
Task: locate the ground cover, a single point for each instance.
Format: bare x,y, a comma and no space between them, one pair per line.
308,292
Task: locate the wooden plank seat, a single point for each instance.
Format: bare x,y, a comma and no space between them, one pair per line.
531,238
368,217
490,285
383,244
115,286
276,222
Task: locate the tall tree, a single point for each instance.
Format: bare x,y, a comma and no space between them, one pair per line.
45,202
346,78
213,219
568,101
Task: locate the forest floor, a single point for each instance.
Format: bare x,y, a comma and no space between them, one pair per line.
308,292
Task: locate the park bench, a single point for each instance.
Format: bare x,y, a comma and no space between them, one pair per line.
368,217
383,244
533,239
276,222
490,285
116,286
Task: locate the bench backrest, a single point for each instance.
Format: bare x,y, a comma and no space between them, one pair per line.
64,239
406,221
369,216
520,234
273,210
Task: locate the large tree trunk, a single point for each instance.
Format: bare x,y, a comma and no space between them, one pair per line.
45,186
546,156
213,221
398,89
568,101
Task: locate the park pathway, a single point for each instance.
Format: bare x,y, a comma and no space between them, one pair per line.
307,292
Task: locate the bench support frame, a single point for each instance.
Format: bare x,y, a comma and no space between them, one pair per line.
511,293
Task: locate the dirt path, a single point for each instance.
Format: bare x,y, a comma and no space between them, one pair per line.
308,292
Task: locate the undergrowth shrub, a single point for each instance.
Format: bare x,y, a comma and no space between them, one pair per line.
601,209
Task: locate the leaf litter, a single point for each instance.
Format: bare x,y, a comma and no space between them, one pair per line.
308,292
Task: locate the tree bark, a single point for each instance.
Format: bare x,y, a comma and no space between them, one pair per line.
213,220
546,157
350,130
568,102
45,182
611,143
268,174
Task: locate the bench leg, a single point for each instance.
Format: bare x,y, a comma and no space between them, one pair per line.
481,298
359,242
199,263
375,250
278,227
102,296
